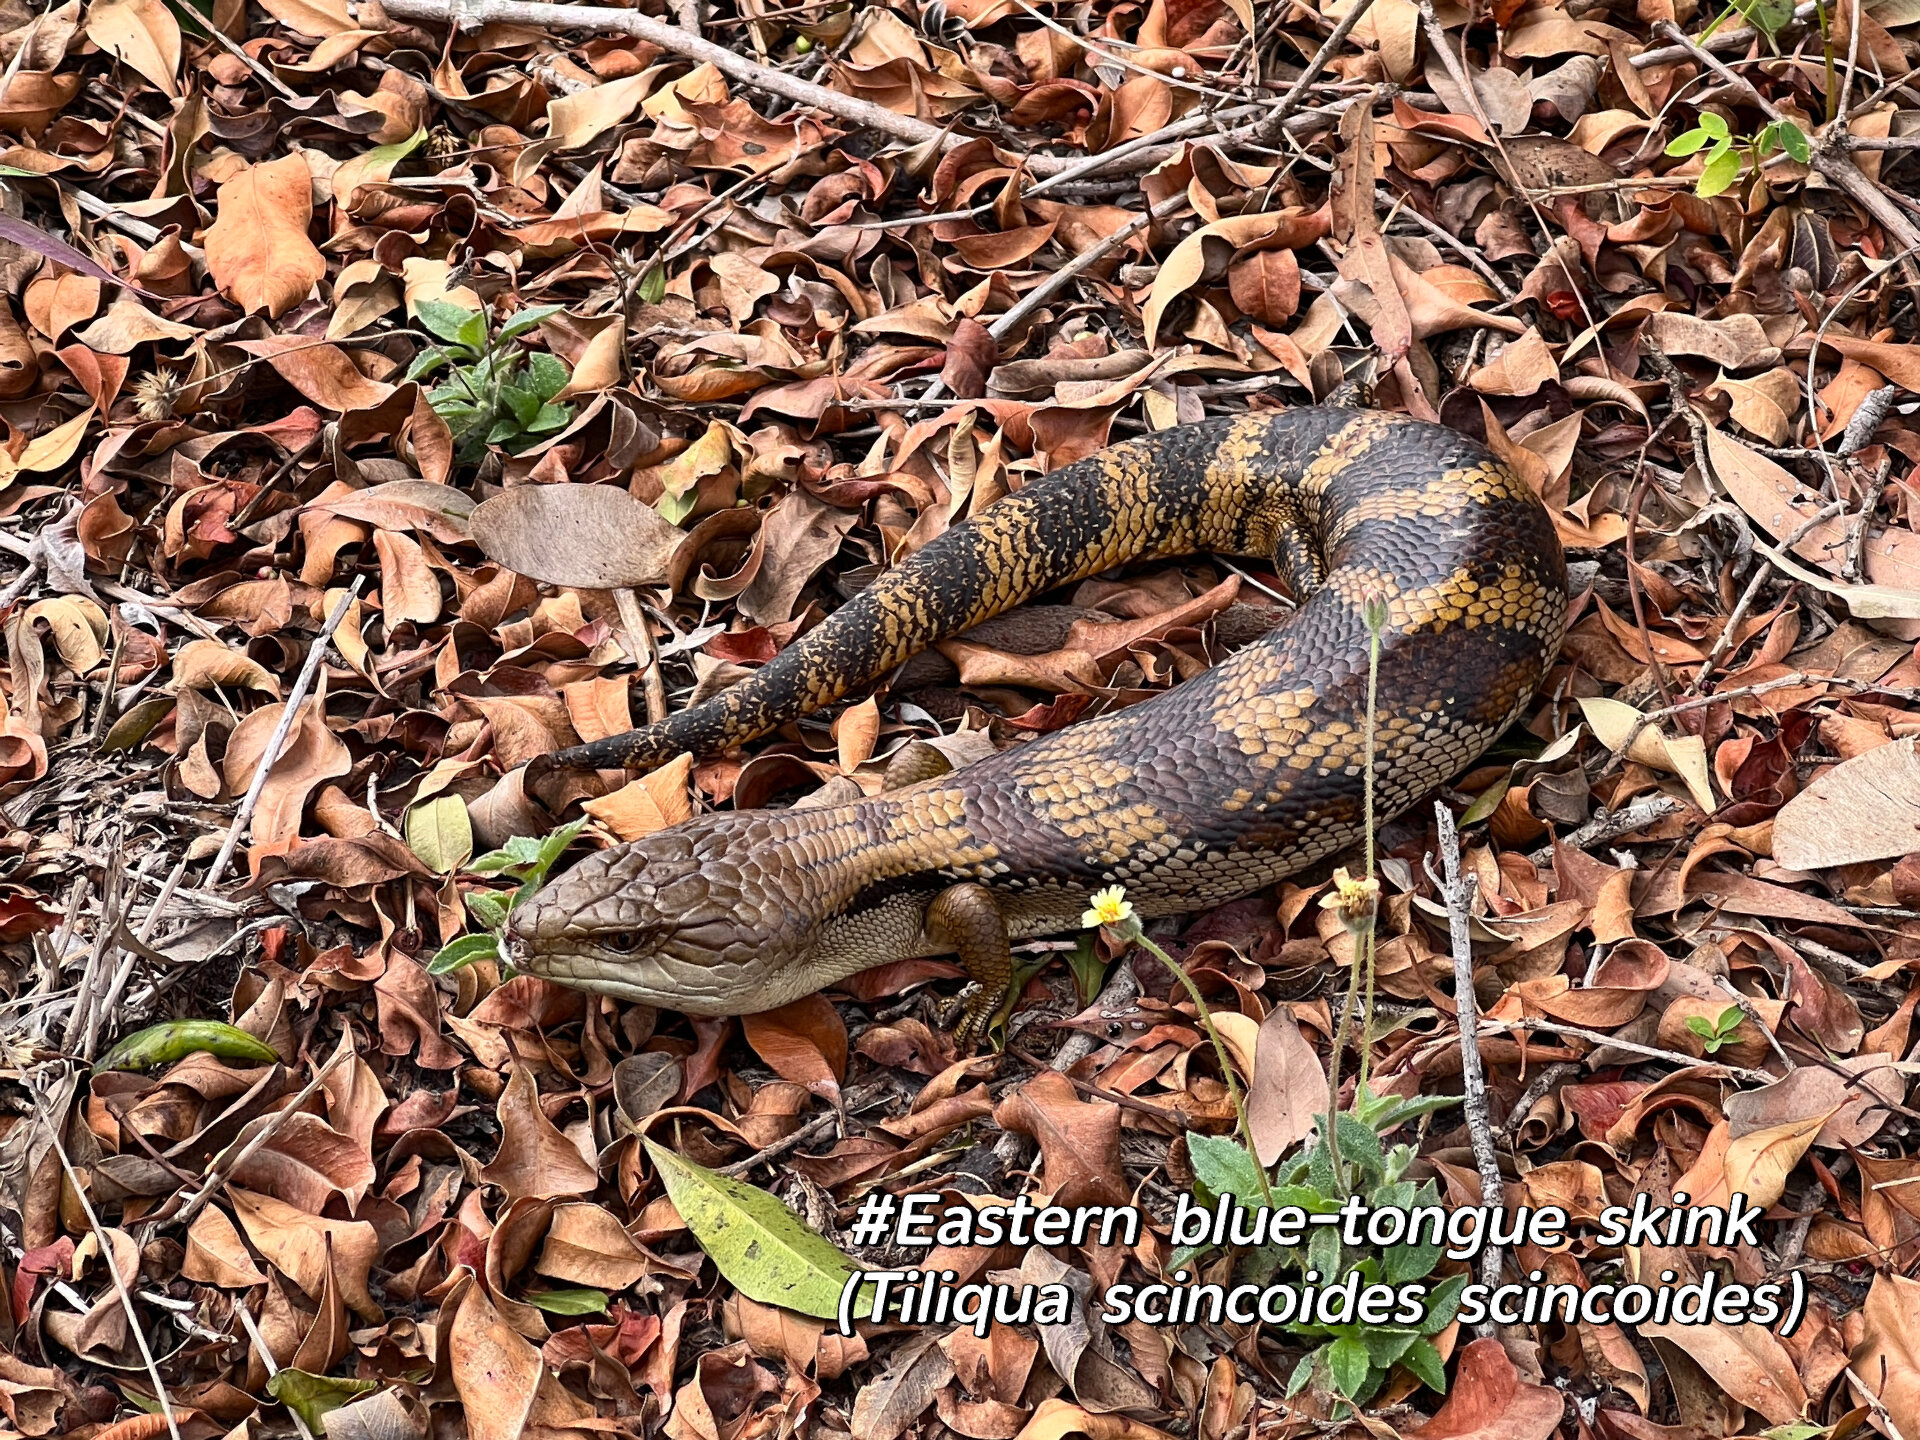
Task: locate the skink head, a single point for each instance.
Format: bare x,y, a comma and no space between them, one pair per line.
698,918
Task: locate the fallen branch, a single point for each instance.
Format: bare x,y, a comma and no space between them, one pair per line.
1611,824
1727,41
271,755
1141,154
1457,891
1632,1047
1056,282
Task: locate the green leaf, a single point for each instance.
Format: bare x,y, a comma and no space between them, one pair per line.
1349,1364
1713,125
551,417
1386,1345
425,363
1302,1373
653,285
1689,143
462,952
1701,1026
440,833
1489,799
555,845
523,403
172,1040
1794,141
1423,1362
1323,1251
1395,1111
675,508
311,1396
1089,971
522,321
1769,17
1723,168
1224,1167
1443,1303
455,324
754,1241
546,375
489,907
569,1302
518,851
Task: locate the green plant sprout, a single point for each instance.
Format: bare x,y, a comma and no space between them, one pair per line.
496,392
525,859
1351,1359
1711,133
1717,1032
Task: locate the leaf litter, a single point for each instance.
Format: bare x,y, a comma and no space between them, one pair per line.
574,362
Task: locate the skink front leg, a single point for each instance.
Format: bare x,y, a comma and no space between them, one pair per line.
966,919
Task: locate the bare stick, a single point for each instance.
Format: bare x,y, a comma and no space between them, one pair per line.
1633,1047
1611,824
1057,281
271,755
633,623
225,1165
1457,890
1268,130
119,1285
1726,40
1761,572
266,1357
471,14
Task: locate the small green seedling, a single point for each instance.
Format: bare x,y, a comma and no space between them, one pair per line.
1351,1360
524,858
1717,1032
1723,148
496,392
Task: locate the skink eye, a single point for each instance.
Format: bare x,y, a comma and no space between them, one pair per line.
625,941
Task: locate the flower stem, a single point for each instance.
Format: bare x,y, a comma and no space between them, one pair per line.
1220,1052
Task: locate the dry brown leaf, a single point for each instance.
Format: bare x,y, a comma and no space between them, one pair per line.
1866,808
535,1160
595,537
257,246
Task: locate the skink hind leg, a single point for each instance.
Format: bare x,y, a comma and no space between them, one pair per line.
966,919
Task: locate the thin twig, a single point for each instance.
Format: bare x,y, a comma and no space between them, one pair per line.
1457,891
1611,824
1632,1047
119,1285
271,755
224,1165
633,624
1760,575
472,14
266,1357
1056,282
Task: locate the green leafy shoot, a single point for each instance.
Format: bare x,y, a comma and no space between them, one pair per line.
1723,147
525,859
1719,1031
1351,1360
1722,168
1787,136
496,392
